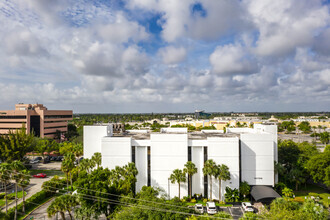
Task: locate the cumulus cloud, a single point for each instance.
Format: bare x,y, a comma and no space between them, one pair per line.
172,55
232,59
284,25
249,55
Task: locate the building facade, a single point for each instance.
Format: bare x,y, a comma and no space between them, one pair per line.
249,154
37,118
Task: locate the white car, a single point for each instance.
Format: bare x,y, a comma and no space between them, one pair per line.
199,208
211,208
247,207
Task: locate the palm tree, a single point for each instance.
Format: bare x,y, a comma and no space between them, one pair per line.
5,179
190,169
62,204
67,167
210,169
97,158
244,188
222,174
17,167
23,182
78,151
178,176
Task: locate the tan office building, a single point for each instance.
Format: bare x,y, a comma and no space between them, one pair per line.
37,118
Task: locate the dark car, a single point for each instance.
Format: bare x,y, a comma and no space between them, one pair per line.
59,158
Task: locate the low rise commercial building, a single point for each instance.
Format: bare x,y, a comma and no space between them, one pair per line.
248,152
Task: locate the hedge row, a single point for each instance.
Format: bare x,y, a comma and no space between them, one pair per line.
29,203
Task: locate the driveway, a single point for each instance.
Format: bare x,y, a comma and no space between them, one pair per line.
35,183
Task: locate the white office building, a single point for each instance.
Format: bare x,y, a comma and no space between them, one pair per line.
249,154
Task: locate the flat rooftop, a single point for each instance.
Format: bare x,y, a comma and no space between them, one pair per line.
191,135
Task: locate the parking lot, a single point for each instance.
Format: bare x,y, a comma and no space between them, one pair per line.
236,211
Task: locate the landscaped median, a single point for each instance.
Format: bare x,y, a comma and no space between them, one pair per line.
49,191
10,198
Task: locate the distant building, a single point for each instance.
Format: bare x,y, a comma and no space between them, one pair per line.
201,113
249,154
37,118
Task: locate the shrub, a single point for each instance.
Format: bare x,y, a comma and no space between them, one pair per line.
193,200
313,194
2,195
299,199
30,202
205,200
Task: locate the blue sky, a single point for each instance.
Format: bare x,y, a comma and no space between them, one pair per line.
166,55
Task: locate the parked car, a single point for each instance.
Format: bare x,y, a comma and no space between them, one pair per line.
36,160
199,208
53,158
247,207
211,208
40,175
59,158
78,160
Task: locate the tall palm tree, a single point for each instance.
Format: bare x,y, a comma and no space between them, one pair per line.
62,204
178,176
210,169
17,167
23,182
5,177
222,174
78,150
190,169
97,158
67,166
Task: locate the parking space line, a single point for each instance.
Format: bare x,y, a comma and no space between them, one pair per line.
230,211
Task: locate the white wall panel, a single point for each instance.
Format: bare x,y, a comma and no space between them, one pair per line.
141,163
116,151
92,139
168,152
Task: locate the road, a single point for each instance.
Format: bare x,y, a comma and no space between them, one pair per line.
35,183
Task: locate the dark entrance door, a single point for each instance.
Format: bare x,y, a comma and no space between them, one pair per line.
35,125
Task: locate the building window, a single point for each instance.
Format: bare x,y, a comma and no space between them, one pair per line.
205,177
189,153
149,162
58,116
133,154
13,117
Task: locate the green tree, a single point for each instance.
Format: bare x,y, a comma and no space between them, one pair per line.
324,137
67,166
52,185
287,192
210,169
62,204
231,195
297,175
318,165
178,176
16,167
15,145
23,182
86,213
305,127
66,147
223,174
97,158
244,188
78,150
5,176
190,169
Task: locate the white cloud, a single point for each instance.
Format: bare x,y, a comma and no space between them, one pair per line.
232,59
172,55
284,25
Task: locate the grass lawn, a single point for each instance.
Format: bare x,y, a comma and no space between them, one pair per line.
313,190
19,195
48,172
